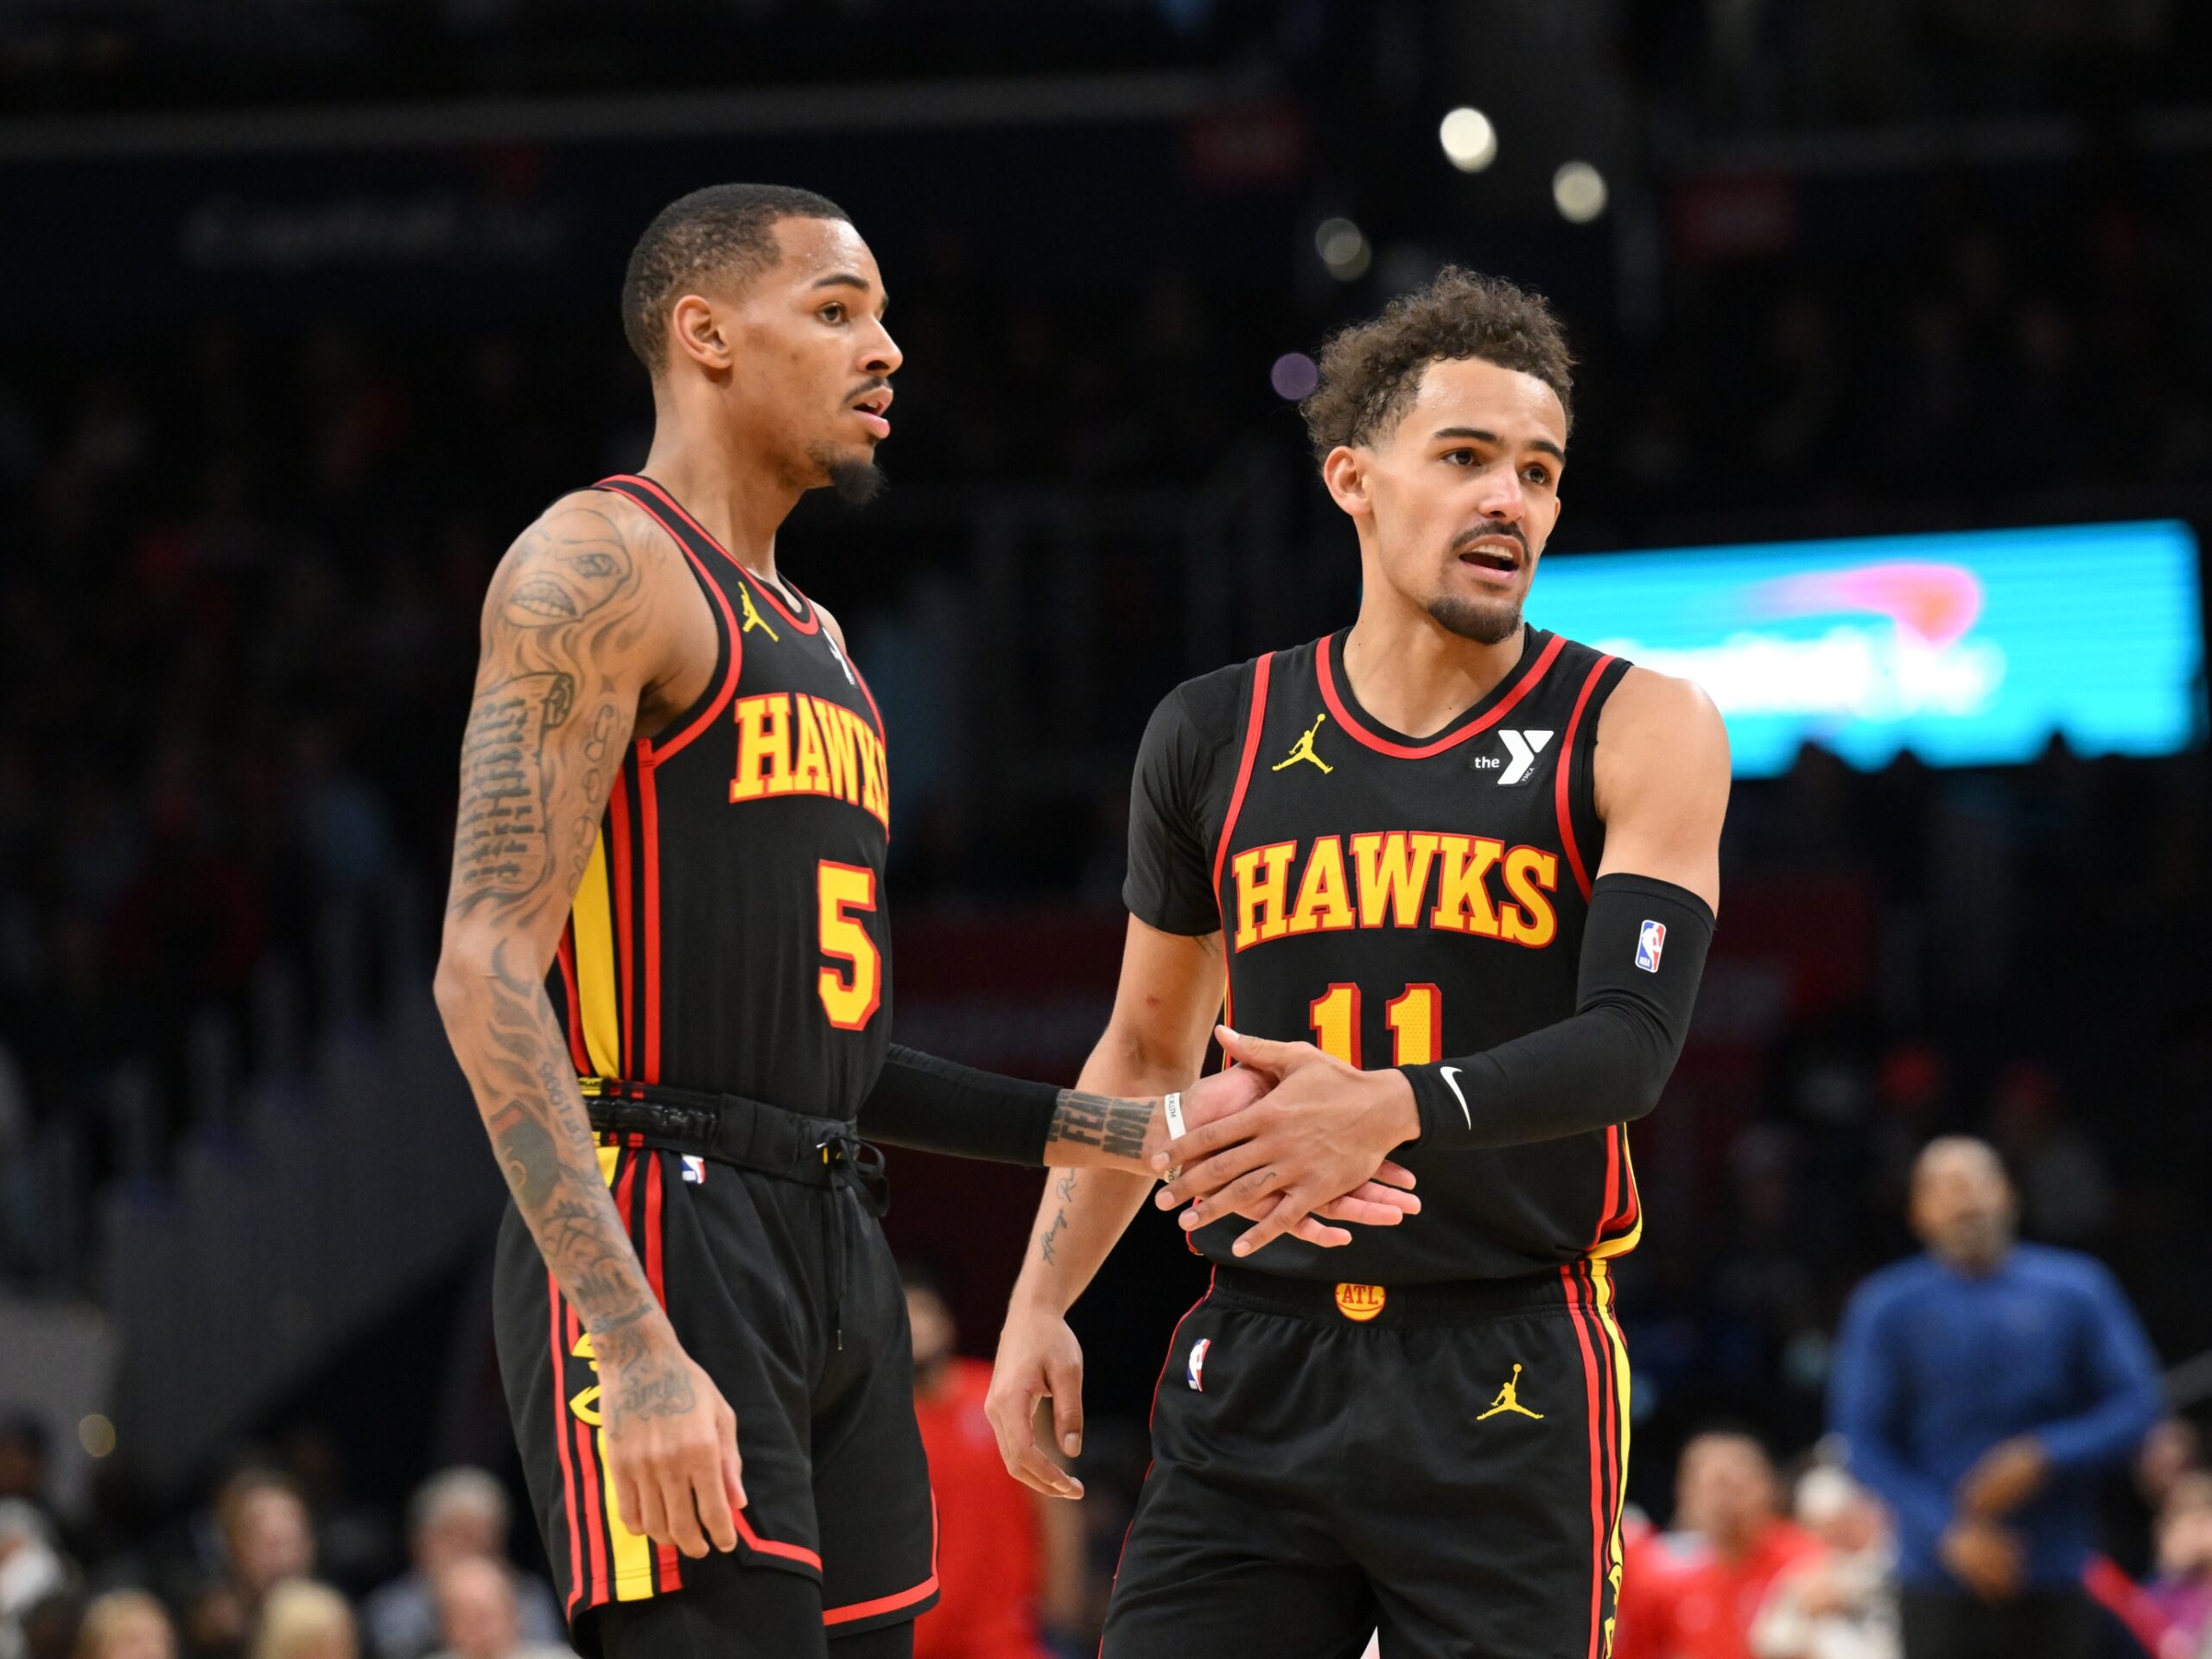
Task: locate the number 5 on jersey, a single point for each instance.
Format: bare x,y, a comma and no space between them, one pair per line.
850,995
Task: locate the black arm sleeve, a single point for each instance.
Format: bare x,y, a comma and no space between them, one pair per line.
1605,1063
934,1105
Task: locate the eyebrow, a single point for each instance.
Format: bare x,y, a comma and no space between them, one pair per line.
1481,436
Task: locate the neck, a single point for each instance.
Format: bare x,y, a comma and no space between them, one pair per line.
738,498
1413,674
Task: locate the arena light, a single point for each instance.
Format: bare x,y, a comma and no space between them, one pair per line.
1294,376
96,1435
1343,247
1578,192
1470,140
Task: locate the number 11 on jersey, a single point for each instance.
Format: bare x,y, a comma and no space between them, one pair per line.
1415,1017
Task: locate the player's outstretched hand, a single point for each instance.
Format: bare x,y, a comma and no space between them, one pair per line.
672,1446
1039,1358
1383,1201
1324,1131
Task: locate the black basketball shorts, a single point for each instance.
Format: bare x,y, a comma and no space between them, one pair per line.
787,1295
1443,1462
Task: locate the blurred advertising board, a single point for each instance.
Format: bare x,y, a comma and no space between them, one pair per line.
1967,649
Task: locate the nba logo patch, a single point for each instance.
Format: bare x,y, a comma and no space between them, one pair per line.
1198,1363
1649,944
695,1169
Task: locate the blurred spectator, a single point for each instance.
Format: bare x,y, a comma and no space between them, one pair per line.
2181,1586
50,1625
125,1624
2171,1450
1726,1494
1007,1558
305,1620
457,1514
31,1569
267,1540
22,1456
1980,1388
478,1616
1841,1603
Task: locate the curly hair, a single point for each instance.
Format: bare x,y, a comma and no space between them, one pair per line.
727,230
1370,371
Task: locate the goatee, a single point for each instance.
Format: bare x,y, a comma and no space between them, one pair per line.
1486,625
856,482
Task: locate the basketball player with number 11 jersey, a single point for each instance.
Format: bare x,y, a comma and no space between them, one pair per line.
1449,879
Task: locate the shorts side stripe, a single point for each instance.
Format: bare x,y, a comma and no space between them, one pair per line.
1617,1344
591,1480
561,1445
632,1551
1596,1459
667,1574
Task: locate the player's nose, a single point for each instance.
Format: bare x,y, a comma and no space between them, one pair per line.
881,354
1500,496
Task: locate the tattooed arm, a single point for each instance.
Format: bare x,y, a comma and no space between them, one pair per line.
584,638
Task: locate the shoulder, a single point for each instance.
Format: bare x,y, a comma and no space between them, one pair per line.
590,551
1886,1289
2068,1271
1667,708
1210,709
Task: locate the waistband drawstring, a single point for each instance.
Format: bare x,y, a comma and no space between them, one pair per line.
852,1163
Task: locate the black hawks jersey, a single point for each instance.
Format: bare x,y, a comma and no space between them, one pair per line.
729,932
1396,900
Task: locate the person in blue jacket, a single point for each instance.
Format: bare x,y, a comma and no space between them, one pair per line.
1981,1389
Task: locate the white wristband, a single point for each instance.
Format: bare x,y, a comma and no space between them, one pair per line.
1172,1107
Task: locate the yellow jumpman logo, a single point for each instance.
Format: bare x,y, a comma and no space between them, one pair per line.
1303,749
1508,1399
752,617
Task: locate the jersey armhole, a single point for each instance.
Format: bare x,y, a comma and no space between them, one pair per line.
1255,722
729,651
1584,831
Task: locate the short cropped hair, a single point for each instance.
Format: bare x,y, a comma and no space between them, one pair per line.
1370,371
725,231
460,1487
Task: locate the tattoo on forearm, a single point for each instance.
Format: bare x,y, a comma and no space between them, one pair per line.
1114,1125
547,732
1067,1184
1050,1234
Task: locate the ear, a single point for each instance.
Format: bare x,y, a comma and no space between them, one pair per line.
1344,472
696,330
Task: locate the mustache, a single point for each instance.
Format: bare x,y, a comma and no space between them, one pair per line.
1467,538
867,386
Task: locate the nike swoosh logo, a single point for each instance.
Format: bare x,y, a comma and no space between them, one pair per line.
1450,1076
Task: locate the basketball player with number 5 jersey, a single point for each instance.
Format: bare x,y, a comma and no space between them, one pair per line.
1448,881
666,973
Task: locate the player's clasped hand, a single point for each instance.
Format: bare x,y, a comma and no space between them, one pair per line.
1325,1129
672,1446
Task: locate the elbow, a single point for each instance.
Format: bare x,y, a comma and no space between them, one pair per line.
1644,1098
457,986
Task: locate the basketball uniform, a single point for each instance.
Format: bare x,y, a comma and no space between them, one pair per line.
1426,1428
728,938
